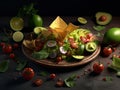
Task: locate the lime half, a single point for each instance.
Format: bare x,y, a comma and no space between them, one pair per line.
18,36
78,57
17,23
82,20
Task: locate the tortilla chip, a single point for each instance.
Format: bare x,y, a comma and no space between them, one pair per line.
58,23
29,44
71,27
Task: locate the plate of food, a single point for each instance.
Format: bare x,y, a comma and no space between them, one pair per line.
61,45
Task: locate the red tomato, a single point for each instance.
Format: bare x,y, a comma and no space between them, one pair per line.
52,76
98,67
12,55
107,51
28,73
7,48
59,59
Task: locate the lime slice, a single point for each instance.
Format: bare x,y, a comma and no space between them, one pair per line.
78,57
37,30
82,20
18,36
17,23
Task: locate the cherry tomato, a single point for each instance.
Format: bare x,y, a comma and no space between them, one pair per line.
12,55
103,18
7,48
98,67
107,51
52,76
2,44
28,73
59,59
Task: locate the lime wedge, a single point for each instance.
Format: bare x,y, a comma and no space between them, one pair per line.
17,23
78,57
37,30
82,20
18,36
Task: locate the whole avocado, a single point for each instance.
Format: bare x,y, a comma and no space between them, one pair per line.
112,36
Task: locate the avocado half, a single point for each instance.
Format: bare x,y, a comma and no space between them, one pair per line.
108,17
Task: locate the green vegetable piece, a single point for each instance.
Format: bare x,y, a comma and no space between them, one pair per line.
91,46
103,18
70,81
4,66
40,55
82,20
118,74
99,28
21,65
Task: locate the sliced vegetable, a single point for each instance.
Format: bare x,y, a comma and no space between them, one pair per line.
78,57
82,20
91,46
99,28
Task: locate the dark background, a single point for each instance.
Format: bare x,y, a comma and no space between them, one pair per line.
61,7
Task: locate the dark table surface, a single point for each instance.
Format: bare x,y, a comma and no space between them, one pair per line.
12,80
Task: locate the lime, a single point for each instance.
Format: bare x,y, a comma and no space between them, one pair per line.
17,23
18,36
78,57
82,20
35,21
37,30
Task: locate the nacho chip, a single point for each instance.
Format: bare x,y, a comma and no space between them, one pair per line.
58,23
71,27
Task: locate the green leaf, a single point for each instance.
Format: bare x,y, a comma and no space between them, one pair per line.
99,28
70,81
43,54
4,66
115,65
43,73
21,65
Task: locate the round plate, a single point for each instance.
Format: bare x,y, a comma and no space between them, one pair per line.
28,53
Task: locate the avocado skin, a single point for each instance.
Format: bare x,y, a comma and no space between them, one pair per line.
107,21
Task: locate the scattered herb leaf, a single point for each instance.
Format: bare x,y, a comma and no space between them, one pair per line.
98,28
115,65
21,65
4,66
70,81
